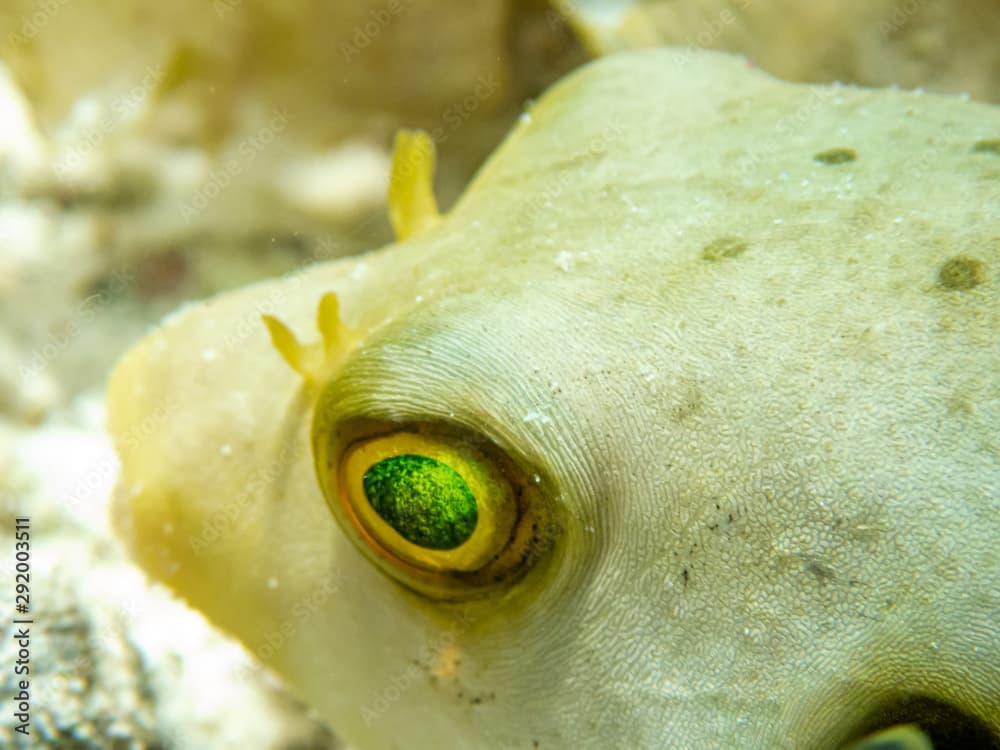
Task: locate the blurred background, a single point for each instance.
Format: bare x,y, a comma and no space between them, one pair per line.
155,153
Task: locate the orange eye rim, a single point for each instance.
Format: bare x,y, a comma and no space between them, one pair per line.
528,524
491,490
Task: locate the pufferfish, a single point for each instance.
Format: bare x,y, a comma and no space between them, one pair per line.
680,430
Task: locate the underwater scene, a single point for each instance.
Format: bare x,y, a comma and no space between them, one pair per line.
500,374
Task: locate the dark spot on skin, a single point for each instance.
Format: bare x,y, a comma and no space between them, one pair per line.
685,576
836,156
688,402
961,272
959,406
822,572
987,146
724,247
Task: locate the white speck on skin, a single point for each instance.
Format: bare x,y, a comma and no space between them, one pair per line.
564,260
536,416
359,270
419,298
226,449
898,220
525,118
208,355
272,583
778,221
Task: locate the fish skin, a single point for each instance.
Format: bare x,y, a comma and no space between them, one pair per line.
769,424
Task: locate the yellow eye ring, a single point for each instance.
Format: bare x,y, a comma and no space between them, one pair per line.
446,514
495,507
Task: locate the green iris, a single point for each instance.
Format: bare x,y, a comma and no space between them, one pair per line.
426,501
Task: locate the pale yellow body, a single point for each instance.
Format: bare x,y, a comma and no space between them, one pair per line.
767,419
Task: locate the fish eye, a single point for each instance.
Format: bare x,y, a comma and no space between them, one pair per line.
447,514
423,499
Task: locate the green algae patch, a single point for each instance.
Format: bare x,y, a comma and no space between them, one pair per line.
961,272
724,247
836,156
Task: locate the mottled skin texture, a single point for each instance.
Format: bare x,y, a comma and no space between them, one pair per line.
770,430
